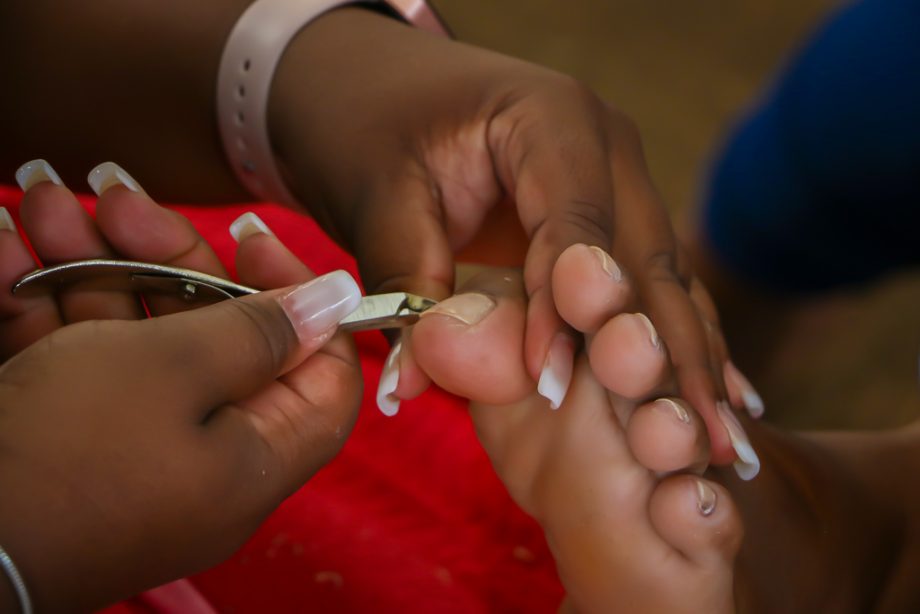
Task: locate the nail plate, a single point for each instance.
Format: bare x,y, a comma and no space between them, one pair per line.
34,172
108,175
6,220
748,464
607,263
247,225
469,308
389,380
653,334
705,498
317,306
674,408
557,370
752,401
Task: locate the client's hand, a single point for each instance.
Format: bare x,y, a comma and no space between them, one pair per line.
133,452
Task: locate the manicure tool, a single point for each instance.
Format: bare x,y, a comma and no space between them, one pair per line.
376,311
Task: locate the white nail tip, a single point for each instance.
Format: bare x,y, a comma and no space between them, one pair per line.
389,380
108,175
748,464
753,403
34,172
653,334
607,263
557,371
6,220
315,307
247,225
706,498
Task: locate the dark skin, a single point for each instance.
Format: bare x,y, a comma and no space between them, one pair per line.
459,147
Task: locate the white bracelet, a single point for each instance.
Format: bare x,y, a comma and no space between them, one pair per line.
247,67
19,585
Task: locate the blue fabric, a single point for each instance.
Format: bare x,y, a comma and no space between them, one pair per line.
820,186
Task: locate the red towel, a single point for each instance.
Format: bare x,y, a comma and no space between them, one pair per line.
409,517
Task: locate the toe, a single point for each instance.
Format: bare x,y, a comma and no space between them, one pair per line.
667,435
628,357
588,287
471,344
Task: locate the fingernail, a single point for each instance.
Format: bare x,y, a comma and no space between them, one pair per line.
469,308
748,464
607,263
557,370
673,408
317,306
108,175
652,333
389,380
35,172
247,225
705,498
752,401
6,220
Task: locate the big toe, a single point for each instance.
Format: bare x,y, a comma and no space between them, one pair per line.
472,343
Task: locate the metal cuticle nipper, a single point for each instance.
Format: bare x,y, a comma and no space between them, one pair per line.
376,311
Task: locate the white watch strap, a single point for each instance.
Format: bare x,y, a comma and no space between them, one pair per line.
247,67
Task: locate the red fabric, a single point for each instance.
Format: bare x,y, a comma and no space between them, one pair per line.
408,518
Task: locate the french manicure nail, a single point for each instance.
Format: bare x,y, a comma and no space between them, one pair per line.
557,370
247,225
652,333
705,498
469,308
317,306
389,380
748,464
32,173
607,263
6,220
674,408
752,401
108,175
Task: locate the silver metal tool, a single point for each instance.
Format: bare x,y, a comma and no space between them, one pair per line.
376,311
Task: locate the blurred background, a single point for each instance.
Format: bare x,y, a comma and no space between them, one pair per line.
686,72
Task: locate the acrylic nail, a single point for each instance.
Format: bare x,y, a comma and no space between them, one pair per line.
389,380
6,220
557,370
317,306
247,225
674,408
34,172
607,263
652,333
747,466
752,401
705,498
108,175
469,308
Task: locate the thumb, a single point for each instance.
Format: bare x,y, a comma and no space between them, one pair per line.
230,350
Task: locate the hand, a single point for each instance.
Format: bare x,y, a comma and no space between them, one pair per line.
139,451
410,147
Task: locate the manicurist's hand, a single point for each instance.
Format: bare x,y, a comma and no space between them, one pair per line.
133,452
410,148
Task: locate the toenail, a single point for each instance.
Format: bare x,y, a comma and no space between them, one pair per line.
705,498
108,175
607,263
32,173
748,464
673,408
469,308
653,334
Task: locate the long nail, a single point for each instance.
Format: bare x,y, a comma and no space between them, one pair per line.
108,175
247,225
32,173
557,370
6,220
317,306
607,263
653,337
752,401
389,380
748,464
469,308
705,498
